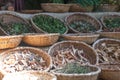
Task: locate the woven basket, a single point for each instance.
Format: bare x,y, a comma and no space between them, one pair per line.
57,8
39,29
108,8
110,74
30,75
90,53
41,39
79,8
85,37
10,17
106,32
107,73
83,17
37,51
87,76
10,41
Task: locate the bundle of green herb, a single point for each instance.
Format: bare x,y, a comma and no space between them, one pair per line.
71,68
49,24
16,28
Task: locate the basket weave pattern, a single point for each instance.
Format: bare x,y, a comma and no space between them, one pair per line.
52,7
41,39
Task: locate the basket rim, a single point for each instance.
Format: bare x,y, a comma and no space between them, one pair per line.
42,34
31,48
111,70
77,43
74,35
83,14
103,39
11,36
32,72
81,74
31,20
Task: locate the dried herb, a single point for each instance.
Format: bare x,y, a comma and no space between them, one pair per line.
109,53
83,26
72,68
16,28
112,24
49,24
23,60
68,55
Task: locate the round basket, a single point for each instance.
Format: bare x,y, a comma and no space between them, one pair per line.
85,37
106,31
41,39
57,8
83,17
36,51
13,18
88,51
30,75
109,71
10,41
38,29
93,75
108,8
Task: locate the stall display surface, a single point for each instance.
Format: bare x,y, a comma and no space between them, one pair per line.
58,37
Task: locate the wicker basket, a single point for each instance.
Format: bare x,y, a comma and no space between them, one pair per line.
93,75
9,17
10,41
83,17
79,8
90,53
41,39
111,74
30,75
108,8
107,73
57,8
106,32
37,51
39,29
85,37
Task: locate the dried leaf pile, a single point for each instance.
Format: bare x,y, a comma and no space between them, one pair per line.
109,53
23,60
68,55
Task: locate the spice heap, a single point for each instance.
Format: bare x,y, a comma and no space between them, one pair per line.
112,24
23,60
68,55
72,68
109,53
83,26
49,24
